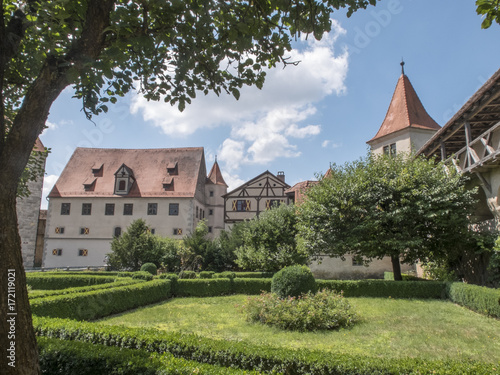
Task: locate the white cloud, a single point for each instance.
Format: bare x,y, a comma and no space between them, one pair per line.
48,183
51,125
327,143
263,122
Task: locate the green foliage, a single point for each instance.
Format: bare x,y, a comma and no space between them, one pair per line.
142,275
34,170
248,275
325,310
400,206
247,356
168,249
134,247
149,267
269,242
225,275
81,358
293,281
51,281
438,271
491,11
481,299
203,287
386,289
206,274
99,303
187,275
251,286
173,277
406,277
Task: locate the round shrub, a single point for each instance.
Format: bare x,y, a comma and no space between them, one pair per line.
293,281
325,310
149,267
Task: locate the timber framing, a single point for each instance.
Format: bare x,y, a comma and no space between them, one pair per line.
470,141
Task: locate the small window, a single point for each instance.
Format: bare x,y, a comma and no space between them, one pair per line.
271,203
177,232
65,208
122,185
84,230
128,209
210,212
118,231
109,209
197,212
59,230
86,208
173,209
152,230
152,208
241,205
57,252
390,149
83,252
209,229
211,193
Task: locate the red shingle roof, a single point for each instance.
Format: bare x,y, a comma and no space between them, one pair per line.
149,167
405,111
215,175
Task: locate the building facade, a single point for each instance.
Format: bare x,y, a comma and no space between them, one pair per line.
102,191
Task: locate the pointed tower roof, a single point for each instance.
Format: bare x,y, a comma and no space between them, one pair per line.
215,175
405,111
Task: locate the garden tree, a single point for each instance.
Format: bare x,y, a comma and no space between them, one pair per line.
269,241
397,206
490,9
225,245
198,249
168,50
134,247
168,248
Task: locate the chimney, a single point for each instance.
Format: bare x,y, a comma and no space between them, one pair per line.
281,176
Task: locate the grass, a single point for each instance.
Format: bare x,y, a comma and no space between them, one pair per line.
388,328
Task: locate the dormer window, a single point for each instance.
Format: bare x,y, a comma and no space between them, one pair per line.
97,170
89,184
168,184
124,179
172,168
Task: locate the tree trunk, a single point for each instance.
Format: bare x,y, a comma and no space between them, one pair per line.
19,353
396,268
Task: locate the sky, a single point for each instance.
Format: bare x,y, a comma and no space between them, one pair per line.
308,116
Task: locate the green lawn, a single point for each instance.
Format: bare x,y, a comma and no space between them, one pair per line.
388,327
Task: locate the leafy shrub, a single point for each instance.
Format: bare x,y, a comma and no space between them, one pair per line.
325,310
406,277
187,275
203,287
100,303
251,286
173,277
59,280
478,298
206,274
149,267
142,275
254,275
225,275
293,281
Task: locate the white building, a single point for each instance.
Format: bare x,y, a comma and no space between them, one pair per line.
102,191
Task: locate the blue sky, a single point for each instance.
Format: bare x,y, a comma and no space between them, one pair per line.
322,111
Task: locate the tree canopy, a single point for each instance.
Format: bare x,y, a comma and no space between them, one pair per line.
398,206
490,9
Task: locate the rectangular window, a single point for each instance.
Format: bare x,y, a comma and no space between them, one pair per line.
65,208
59,230
86,208
211,193
118,231
83,252
177,232
152,231
390,149
241,205
210,212
152,208
109,209
209,229
57,252
128,208
271,203
84,230
197,212
173,209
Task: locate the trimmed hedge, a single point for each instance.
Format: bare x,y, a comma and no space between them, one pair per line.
80,358
202,287
100,303
252,357
406,277
34,294
477,298
251,286
206,274
383,288
54,281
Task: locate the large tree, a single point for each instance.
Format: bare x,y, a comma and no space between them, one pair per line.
402,207
168,50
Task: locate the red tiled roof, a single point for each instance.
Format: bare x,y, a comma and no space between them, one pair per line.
38,145
215,175
405,111
149,167
298,190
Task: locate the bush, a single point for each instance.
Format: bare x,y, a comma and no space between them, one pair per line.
406,277
187,275
100,303
478,298
206,274
52,281
149,267
325,310
251,286
225,275
203,287
293,281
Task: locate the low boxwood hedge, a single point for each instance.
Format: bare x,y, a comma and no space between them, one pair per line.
251,286
386,289
202,287
251,357
41,280
100,303
477,298
406,277
81,358
46,293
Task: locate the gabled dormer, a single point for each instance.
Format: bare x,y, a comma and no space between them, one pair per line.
124,179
